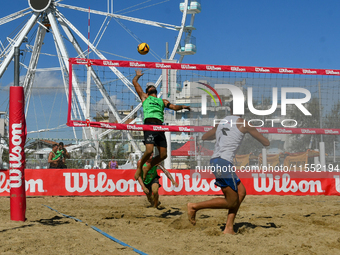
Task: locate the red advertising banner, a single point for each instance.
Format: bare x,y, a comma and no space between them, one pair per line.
217,68
138,127
17,139
108,182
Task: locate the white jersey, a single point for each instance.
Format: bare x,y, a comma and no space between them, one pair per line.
228,138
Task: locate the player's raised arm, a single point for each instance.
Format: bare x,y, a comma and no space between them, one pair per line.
211,134
175,107
254,133
166,172
138,88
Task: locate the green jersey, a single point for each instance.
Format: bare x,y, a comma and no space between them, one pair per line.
150,175
60,153
56,155
153,107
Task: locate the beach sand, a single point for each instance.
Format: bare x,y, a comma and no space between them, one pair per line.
264,225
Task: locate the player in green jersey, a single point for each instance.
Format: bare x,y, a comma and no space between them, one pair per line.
54,157
153,109
151,183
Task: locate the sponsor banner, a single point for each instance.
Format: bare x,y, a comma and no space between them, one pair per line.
308,131
223,68
105,182
288,184
135,127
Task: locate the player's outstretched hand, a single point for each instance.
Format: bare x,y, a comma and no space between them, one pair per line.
186,107
139,72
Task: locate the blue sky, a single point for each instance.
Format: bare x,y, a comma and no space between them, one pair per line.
301,34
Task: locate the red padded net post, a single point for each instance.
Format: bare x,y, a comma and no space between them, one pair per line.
17,138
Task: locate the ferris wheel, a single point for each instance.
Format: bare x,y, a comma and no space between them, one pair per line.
47,24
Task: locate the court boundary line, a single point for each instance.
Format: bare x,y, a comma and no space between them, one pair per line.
99,231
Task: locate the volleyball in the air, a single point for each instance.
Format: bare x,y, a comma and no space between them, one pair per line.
143,48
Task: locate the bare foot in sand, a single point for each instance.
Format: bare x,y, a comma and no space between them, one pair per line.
229,230
191,214
151,201
156,205
160,207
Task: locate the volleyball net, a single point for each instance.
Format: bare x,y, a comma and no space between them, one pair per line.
295,108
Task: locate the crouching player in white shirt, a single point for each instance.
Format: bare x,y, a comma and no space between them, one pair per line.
229,134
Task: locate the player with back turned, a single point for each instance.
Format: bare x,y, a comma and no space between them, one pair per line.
229,134
153,109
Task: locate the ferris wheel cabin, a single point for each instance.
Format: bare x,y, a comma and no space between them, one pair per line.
193,7
187,45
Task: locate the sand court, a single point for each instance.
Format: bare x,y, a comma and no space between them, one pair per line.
265,224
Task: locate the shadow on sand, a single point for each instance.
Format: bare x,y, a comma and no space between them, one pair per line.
55,221
9,229
249,225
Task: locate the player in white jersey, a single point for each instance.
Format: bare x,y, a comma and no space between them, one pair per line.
229,134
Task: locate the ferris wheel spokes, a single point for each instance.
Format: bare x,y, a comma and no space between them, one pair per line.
96,79
31,70
127,83
18,42
64,56
141,21
15,16
66,25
